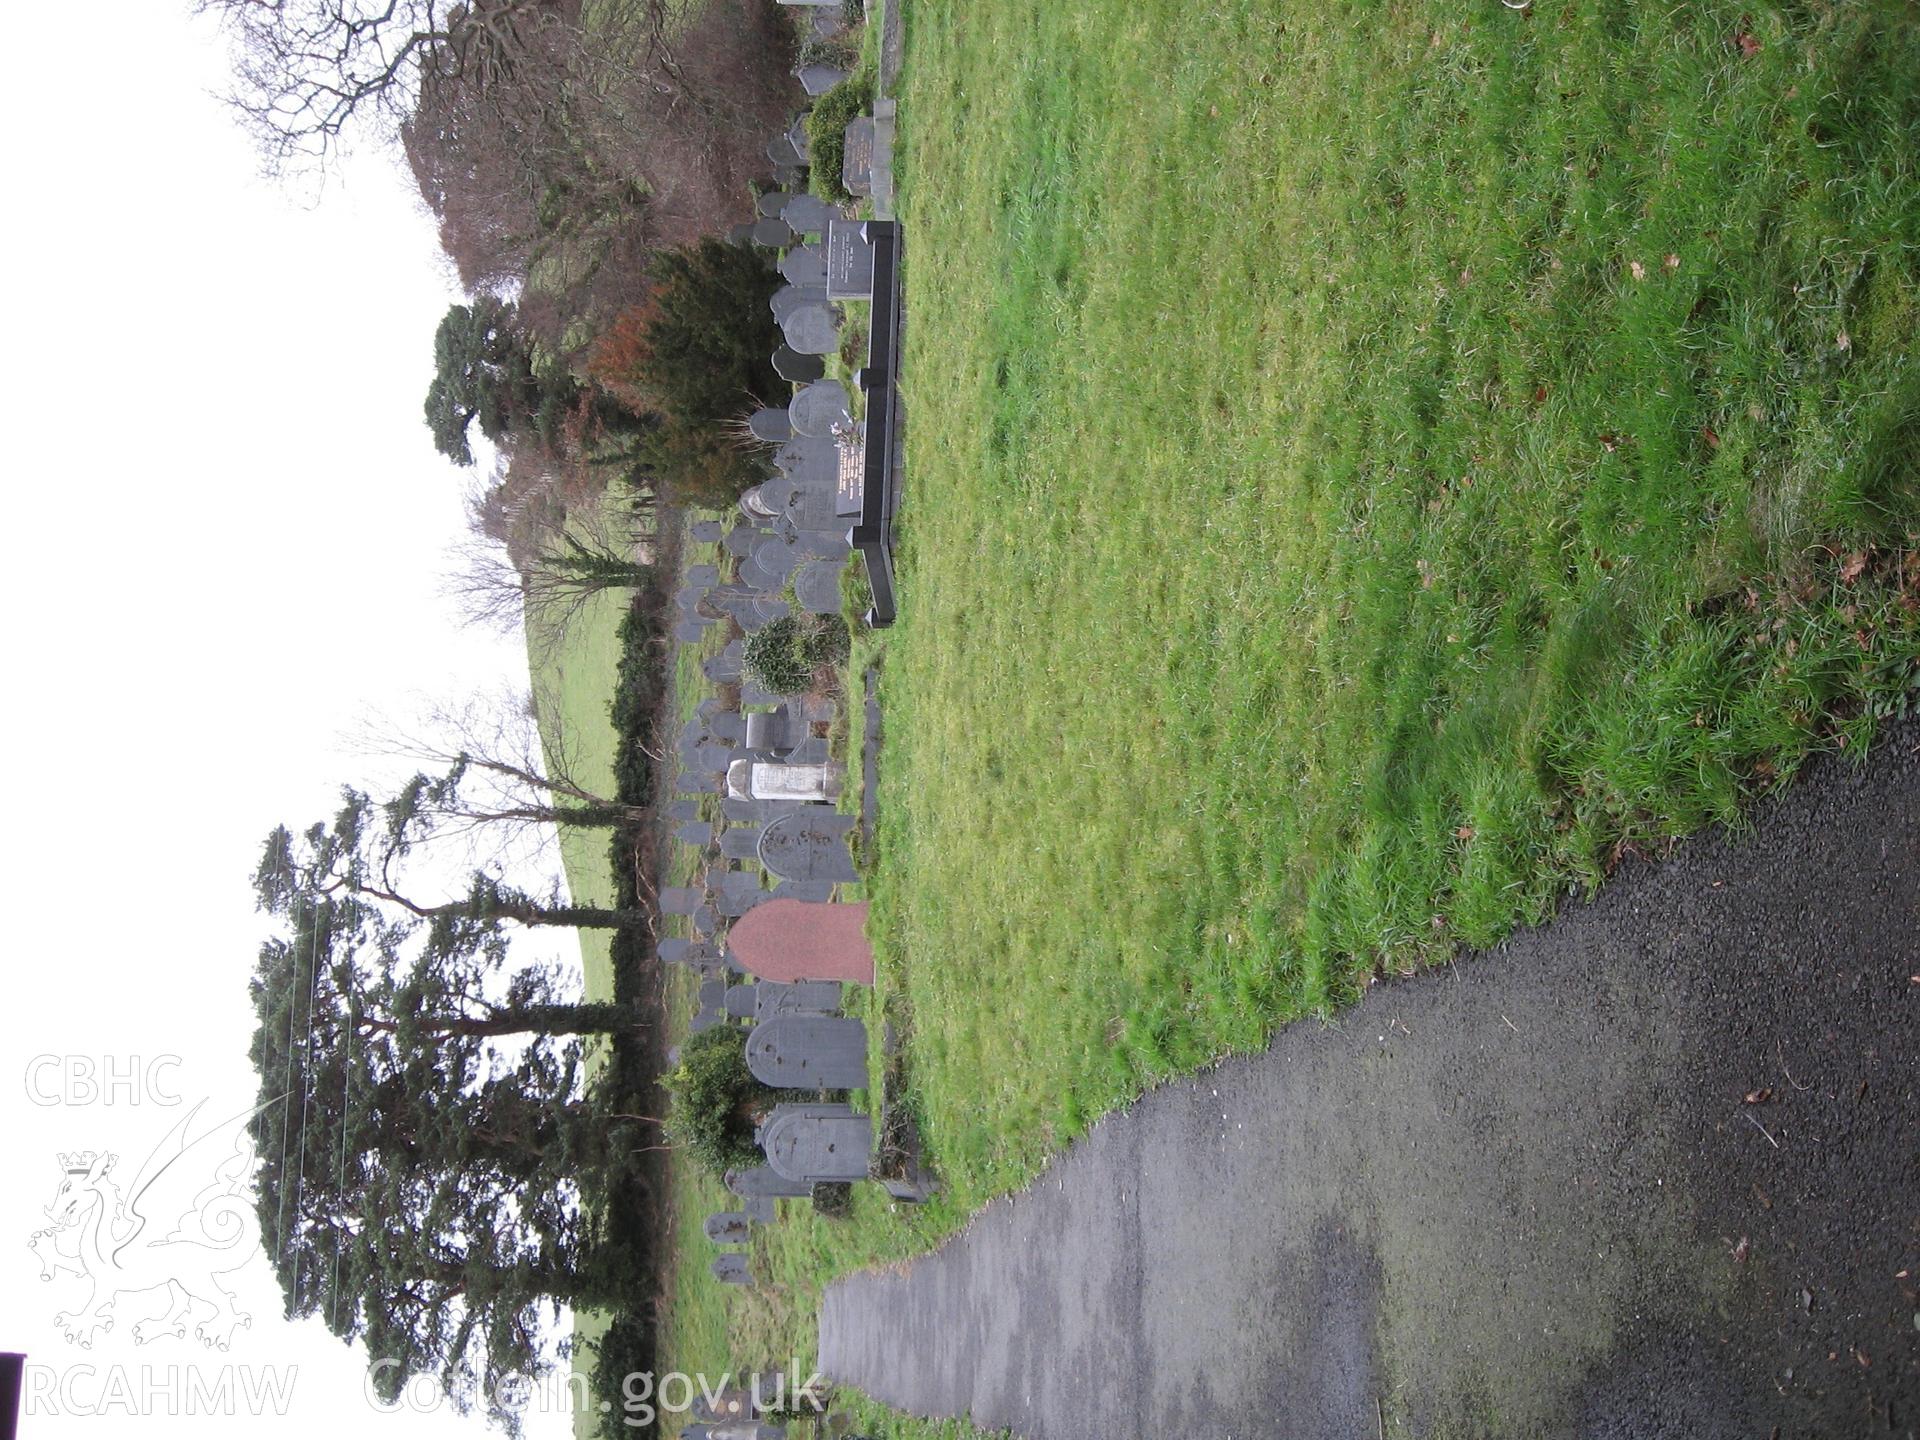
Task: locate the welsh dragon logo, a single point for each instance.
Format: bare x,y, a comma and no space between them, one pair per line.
115,1241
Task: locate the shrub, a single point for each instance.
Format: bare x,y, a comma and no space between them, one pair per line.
716,1102
627,1347
784,656
699,353
827,132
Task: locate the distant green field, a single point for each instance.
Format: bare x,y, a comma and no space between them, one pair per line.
575,673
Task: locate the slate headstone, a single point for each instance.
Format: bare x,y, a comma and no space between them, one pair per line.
772,203
763,1181
684,810
816,1147
808,214
680,900
697,833
817,586
772,233
675,951
809,846
741,842
703,577
816,410
789,298
805,997
705,1021
713,994
816,79
742,1003
774,556
856,165
770,425
805,1052
804,265
789,364
704,532
849,261
811,330
728,1227
730,1268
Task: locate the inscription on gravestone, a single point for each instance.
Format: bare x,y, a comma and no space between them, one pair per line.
849,262
809,1051
728,1227
856,169
850,489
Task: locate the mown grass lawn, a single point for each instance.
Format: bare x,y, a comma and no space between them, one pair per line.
1370,467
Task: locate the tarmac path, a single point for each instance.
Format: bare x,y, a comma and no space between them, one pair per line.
1523,1196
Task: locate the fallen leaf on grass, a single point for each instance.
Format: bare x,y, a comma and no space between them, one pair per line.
1746,43
1760,1096
1843,341
1740,1251
1638,270
1465,832
1711,436
1852,566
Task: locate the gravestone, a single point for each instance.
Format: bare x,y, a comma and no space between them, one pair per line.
770,425
704,532
806,461
774,556
688,632
849,261
727,727
703,577
784,154
772,233
807,997
804,265
809,846
675,951
722,669
742,1003
697,833
761,1209
816,410
741,842
803,1144
805,1052
811,330
797,134
816,80
790,365
758,579
731,1269
850,476
789,298
705,921
772,203
684,810
713,994
808,215
856,166
776,732
798,940
817,586
763,1182
740,540
741,234
680,900
706,1020
728,1227
818,891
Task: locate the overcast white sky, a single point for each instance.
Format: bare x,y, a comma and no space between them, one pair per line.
224,538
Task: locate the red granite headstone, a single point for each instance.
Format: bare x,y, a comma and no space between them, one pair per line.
803,940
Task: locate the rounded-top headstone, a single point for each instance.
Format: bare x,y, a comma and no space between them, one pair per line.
804,265
811,330
772,203
808,847
818,408
808,214
772,233
784,939
816,80
790,365
770,425
789,298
